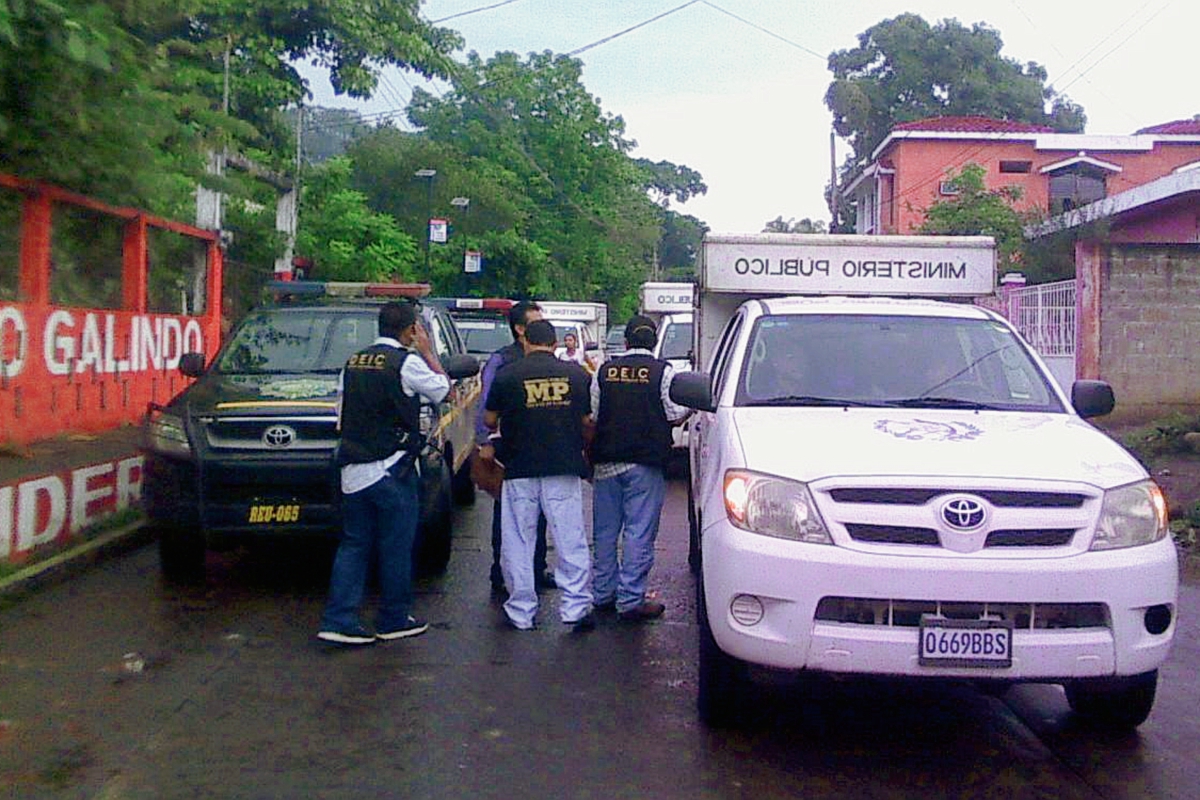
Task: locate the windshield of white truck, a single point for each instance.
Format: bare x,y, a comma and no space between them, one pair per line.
677,340
483,336
890,361
292,341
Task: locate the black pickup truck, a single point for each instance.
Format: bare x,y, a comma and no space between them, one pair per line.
245,452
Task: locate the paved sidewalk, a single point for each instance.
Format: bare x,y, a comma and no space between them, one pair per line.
80,550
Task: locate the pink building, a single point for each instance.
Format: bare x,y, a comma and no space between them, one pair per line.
1057,172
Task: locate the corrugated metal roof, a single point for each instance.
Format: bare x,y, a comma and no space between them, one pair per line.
1187,127
971,125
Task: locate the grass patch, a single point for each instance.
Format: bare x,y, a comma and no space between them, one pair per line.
1160,437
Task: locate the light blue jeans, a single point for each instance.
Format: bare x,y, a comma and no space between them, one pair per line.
631,503
560,498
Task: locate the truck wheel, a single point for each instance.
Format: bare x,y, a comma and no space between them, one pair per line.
462,485
693,534
180,553
1118,704
434,553
723,695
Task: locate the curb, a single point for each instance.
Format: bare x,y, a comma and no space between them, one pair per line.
76,559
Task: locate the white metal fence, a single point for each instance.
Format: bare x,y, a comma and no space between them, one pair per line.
1045,316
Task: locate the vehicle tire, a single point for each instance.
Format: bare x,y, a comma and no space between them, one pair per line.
462,485
433,555
181,553
723,689
693,534
1119,704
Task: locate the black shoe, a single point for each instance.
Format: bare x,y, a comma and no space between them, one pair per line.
508,623
355,636
544,580
647,609
584,624
411,627
606,607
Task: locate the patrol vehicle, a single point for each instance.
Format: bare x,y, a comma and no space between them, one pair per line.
482,322
889,485
245,452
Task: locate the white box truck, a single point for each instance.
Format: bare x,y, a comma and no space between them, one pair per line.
884,484
588,321
670,305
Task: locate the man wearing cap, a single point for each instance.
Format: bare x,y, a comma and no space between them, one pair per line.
379,420
541,407
632,406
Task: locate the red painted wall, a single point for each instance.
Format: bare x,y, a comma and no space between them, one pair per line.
922,164
85,370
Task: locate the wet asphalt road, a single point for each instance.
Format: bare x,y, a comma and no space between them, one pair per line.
115,685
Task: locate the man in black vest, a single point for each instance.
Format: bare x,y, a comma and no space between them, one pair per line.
541,406
378,417
634,414
519,316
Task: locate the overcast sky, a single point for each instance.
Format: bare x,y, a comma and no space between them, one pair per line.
734,88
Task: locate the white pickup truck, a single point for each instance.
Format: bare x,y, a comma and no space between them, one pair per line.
888,485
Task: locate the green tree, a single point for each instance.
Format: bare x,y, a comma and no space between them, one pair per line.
344,238
791,225
978,211
582,197
904,69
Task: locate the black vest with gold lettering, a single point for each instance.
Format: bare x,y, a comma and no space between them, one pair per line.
378,418
632,428
541,402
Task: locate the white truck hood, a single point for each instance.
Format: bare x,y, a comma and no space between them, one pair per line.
809,444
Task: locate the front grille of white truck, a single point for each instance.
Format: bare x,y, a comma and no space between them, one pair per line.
1023,521
907,613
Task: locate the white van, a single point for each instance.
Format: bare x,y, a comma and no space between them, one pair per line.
884,485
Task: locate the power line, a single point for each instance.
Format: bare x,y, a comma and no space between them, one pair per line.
1119,45
472,11
1098,44
770,33
1053,46
630,29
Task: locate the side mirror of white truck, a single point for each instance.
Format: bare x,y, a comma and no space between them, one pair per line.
1092,398
693,390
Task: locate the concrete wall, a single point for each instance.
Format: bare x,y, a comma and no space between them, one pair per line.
1150,327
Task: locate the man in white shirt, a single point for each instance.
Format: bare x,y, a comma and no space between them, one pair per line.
378,416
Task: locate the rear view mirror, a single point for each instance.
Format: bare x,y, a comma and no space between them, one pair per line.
461,365
693,390
192,364
1092,398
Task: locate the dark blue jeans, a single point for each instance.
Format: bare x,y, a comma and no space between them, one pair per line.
382,517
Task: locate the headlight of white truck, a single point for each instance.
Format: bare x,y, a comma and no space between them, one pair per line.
165,434
1131,515
773,506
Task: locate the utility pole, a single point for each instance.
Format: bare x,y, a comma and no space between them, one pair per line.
428,175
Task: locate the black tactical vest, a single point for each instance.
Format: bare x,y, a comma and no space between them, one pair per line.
633,427
378,418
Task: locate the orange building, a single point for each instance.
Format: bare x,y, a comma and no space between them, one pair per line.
1056,172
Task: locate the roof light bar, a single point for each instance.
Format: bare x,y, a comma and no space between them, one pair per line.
281,289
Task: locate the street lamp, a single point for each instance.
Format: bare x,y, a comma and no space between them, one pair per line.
463,203
428,175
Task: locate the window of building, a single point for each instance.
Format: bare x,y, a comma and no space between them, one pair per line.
1075,187
1016,166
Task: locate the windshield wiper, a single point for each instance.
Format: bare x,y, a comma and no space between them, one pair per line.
943,402
812,400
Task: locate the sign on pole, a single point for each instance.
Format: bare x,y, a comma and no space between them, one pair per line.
472,261
437,230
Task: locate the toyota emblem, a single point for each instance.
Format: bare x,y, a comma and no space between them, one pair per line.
279,436
963,513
